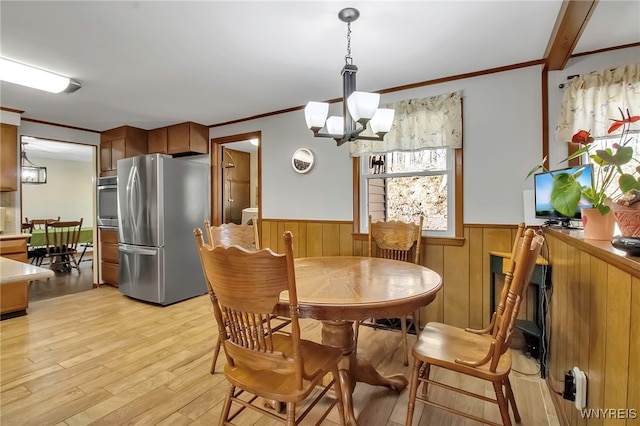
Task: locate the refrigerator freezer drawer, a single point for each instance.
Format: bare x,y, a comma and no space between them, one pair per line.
141,273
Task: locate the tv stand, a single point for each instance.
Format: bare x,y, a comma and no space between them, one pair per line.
561,224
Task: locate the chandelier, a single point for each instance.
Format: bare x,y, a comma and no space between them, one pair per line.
357,107
30,173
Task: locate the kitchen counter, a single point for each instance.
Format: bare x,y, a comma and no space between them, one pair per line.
12,271
13,236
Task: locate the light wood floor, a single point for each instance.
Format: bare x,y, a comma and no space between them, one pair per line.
63,283
97,357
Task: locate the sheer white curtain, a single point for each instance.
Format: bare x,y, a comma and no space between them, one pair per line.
434,122
591,101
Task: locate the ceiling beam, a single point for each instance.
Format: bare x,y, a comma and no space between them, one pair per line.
570,23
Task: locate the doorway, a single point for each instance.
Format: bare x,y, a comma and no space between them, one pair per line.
236,184
68,192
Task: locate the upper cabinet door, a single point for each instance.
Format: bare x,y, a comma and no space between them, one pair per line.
105,156
9,158
188,138
157,143
117,152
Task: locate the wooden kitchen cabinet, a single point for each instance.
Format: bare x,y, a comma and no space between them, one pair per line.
187,138
118,143
109,256
14,296
8,158
157,141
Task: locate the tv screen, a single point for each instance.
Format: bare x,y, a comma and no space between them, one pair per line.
542,185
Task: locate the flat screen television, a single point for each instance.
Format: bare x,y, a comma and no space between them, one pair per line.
542,185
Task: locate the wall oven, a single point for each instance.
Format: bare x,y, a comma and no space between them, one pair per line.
108,202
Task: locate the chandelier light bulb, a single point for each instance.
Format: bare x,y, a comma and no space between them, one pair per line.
358,107
315,114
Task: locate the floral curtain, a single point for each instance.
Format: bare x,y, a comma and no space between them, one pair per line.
434,122
590,101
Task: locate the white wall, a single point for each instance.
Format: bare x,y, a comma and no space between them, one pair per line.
502,141
502,132
68,192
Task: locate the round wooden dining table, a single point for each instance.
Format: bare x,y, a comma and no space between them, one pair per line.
339,290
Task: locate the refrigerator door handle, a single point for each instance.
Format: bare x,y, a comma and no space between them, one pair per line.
137,250
132,187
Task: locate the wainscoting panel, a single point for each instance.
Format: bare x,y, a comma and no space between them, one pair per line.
594,318
464,300
594,325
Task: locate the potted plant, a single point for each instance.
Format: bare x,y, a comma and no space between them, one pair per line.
612,178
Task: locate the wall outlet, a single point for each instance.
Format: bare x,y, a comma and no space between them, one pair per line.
580,381
569,392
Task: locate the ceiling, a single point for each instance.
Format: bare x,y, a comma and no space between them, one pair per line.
150,64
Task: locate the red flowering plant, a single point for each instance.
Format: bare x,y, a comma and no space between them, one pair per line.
613,169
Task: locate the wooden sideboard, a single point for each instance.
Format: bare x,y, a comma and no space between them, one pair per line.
594,324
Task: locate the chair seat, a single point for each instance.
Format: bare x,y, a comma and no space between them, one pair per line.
283,387
440,344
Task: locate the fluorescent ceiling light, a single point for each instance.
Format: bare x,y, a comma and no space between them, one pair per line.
24,75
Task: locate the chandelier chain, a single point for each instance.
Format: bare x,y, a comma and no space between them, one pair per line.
348,59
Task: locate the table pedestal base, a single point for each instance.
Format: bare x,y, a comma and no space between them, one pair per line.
339,334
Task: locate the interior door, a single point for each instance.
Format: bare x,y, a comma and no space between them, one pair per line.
237,184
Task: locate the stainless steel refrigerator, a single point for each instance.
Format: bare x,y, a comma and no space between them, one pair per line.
160,201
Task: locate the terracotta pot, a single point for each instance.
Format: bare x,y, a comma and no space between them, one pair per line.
597,226
628,219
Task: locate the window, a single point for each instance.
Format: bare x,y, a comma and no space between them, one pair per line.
633,140
404,185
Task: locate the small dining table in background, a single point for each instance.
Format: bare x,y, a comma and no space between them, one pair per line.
38,238
339,290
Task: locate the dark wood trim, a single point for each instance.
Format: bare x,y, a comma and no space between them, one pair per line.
430,241
461,76
545,116
237,138
459,196
335,222
490,225
17,111
570,23
59,125
215,157
571,149
607,49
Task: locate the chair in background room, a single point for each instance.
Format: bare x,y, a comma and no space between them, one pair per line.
482,356
245,236
36,244
62,244
268,364
396,240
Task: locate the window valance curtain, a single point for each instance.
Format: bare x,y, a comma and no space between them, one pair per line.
590,101
434,122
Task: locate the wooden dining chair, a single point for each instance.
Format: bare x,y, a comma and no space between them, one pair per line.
62,244
37,252
483,356
396,240
266,363
245,236
232,234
